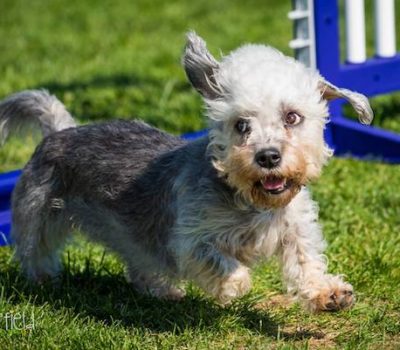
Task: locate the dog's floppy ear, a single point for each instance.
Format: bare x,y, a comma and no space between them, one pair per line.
200,67
358,101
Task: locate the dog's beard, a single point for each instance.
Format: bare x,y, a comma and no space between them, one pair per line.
261,188
261,198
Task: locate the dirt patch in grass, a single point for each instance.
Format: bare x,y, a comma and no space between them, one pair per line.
277,301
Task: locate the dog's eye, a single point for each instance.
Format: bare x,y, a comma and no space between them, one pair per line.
242,126
292,118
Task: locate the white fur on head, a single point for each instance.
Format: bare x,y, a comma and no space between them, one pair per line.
261,86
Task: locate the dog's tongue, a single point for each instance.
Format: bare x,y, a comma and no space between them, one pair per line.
272,183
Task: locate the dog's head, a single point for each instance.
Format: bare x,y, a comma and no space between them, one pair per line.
267,114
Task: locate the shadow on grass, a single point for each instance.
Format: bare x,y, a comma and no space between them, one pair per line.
121,80
168,103
108,298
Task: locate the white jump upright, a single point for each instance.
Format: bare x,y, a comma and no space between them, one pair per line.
355,31
355,34
385,32
303,43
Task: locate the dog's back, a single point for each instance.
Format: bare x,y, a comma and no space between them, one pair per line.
106,179
100,161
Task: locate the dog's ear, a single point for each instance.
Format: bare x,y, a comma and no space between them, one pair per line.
200,67
359,102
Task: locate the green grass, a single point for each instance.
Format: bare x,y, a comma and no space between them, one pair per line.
121,58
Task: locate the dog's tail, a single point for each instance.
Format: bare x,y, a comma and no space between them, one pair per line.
33,107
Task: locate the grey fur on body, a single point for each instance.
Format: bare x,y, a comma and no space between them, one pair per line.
203,210
119,183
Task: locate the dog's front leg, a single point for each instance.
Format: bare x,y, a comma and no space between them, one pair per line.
305,269
220,275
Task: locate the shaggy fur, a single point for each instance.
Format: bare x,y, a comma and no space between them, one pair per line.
204,211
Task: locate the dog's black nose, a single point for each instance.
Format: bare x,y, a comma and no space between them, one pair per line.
268,158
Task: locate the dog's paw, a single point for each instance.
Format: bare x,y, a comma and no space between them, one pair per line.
336,295
174,294
156,286
236,285
167,292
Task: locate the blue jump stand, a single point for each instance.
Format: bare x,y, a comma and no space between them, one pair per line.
7,183
373,77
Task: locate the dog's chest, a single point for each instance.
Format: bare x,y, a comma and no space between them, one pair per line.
251,236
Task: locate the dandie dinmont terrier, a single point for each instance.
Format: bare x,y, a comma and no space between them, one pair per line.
204,211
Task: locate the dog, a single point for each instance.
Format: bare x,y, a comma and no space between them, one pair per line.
205,210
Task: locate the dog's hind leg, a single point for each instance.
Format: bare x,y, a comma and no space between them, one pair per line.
39,230
145,270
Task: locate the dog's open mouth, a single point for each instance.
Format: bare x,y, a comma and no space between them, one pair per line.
274,184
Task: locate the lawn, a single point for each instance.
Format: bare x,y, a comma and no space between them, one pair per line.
107,59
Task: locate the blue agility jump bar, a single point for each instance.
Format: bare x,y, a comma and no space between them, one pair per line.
7,183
